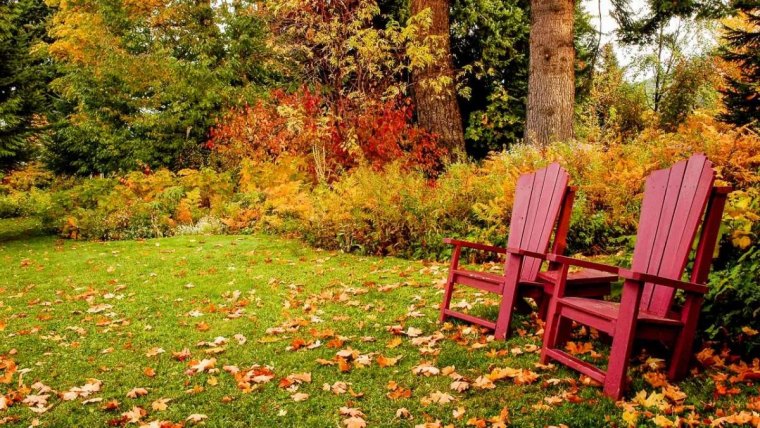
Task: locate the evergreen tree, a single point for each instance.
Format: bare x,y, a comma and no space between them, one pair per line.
23,78
636,27
742,47
143,82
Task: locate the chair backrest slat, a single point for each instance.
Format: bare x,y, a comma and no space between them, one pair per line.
538,200
674,201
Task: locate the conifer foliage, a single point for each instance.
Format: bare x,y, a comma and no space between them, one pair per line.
23,76
742,47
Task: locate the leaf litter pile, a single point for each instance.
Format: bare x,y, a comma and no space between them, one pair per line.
254,330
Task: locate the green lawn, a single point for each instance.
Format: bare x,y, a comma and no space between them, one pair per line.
72,311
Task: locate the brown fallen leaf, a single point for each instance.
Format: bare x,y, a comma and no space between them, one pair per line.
459,386
182,355
437,397
161,404
137,392
110,405
426,369
196,418
134,415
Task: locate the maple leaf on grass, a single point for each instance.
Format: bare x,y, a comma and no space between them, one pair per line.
397,391
426,369
354,422
574,348
204,365
299,396
383,361
152,352
437,397
134,415
196,418
161,404
182,355
354,418
137,392
459,386
403,413
656,379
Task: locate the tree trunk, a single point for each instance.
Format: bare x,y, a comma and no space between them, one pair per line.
551,82
434,87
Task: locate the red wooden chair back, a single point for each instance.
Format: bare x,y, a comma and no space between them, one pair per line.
674,202
538,201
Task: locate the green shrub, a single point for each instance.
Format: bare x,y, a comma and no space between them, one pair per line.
731,312
9,206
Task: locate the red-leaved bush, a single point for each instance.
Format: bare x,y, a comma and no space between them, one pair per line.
335,136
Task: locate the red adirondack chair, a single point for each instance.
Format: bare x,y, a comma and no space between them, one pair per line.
675,200
542,200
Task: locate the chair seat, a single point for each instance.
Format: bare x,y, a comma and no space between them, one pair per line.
493,278
610,310
584,283
585,276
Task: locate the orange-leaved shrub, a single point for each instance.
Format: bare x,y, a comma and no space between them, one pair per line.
333,138
402,211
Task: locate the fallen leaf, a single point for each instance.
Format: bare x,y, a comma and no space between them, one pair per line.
137,392
196,418
299,396
161,404
383,361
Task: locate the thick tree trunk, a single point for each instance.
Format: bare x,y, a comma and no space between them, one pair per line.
551,82
436,98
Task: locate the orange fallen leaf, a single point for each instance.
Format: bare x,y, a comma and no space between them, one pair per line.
383,361
344,365
394,343
579,348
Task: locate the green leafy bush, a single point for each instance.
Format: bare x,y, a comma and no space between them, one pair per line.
732,307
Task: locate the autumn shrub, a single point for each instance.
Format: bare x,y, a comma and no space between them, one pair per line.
31,176
333,139
373,212
19,190
137,205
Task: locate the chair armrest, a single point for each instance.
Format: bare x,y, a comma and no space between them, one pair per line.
475,246
674,283
564,260
526,253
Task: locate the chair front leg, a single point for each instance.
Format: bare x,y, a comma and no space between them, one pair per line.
622,341
449,288
679,363
509,295
554,316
